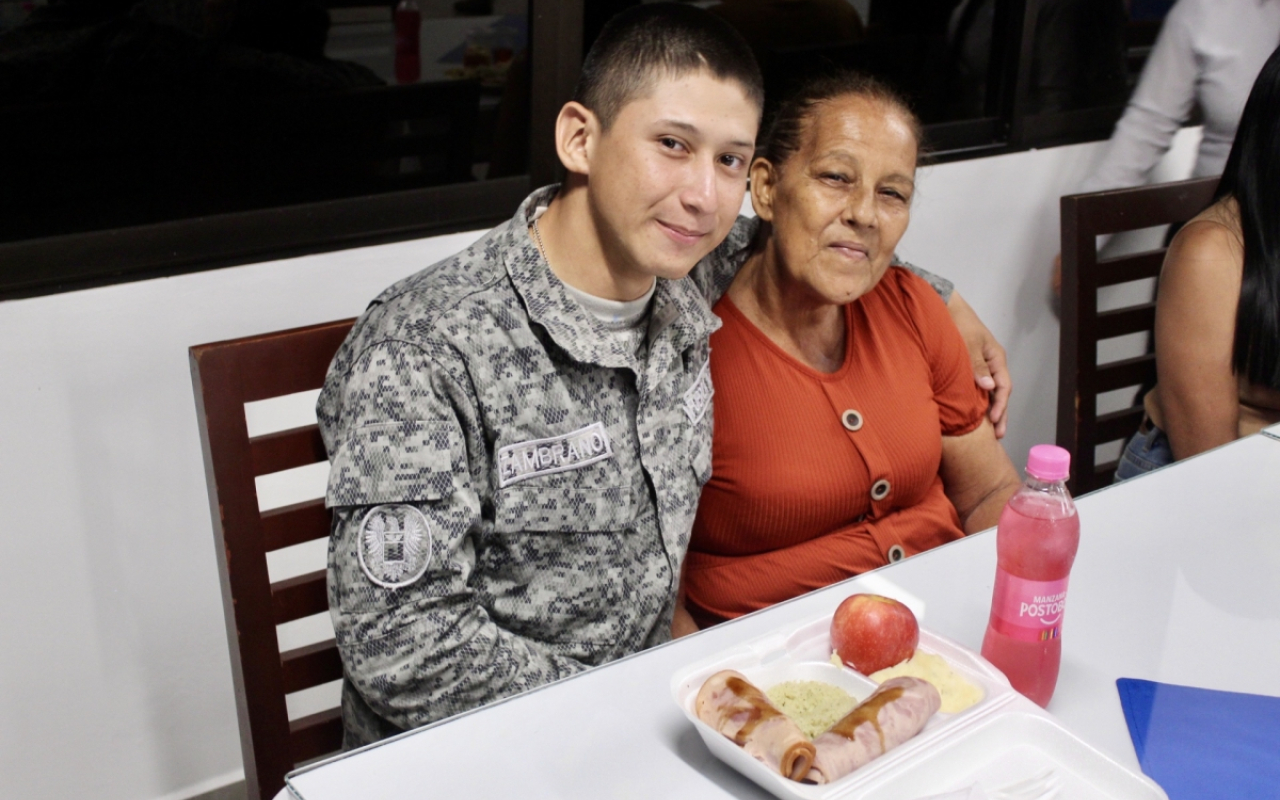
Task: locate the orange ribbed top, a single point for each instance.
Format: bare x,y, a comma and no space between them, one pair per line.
795,499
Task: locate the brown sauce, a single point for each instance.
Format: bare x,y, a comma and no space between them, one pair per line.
867,712
757,707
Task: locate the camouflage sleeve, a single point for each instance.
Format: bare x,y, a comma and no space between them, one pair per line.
415,641
713,275
941,285
715,272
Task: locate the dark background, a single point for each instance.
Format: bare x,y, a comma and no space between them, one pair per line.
151,137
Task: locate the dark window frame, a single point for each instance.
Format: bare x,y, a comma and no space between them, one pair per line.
65,263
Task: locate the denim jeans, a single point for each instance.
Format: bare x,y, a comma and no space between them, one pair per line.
1146,451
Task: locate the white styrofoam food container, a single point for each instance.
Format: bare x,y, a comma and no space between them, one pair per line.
1002,739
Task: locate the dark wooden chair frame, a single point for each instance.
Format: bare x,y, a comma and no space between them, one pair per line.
1080,378
226,376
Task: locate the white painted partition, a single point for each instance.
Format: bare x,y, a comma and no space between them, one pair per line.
114,679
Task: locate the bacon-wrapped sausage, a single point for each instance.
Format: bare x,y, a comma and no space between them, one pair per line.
892,714
729,703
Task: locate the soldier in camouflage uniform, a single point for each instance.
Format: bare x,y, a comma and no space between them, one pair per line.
514,474
513,477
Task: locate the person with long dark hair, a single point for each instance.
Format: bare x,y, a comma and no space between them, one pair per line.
1218,306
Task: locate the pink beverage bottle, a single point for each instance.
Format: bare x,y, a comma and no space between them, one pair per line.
1036,543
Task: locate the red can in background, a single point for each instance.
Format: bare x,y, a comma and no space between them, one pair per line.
408,21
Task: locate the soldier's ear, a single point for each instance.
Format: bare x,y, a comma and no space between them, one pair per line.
577,132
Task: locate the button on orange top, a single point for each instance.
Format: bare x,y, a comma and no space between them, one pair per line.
789,506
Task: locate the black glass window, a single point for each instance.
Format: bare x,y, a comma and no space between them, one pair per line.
981,74
118,113
265,128
1082,59
947,57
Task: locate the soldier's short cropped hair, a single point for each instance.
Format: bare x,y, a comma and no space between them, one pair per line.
645,43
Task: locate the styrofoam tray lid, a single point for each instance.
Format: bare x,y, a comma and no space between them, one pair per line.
1003,749
994,742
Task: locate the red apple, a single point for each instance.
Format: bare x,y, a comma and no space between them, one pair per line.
870,632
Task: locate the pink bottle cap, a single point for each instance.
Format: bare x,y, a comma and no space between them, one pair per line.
1048,462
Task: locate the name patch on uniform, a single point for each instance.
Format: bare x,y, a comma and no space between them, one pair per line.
697,398
395,545
519,462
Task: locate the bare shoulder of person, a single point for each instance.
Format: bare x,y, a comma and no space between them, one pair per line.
1210,245
1200,279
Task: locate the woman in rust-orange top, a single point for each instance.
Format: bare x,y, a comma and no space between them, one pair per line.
849,432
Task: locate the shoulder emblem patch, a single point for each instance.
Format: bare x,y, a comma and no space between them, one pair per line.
697,398
395,545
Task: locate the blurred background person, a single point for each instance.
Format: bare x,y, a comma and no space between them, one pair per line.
1206,56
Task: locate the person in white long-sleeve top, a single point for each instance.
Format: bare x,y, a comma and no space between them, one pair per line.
1208,52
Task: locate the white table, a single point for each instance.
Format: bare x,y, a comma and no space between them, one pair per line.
1177,580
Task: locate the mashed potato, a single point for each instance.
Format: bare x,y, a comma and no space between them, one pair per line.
813,705
957,693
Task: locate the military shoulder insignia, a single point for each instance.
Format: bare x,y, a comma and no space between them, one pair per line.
697,398
395,545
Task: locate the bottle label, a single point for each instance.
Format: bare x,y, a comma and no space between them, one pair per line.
1030,611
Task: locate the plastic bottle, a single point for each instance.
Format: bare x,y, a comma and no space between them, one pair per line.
408,23
1036,543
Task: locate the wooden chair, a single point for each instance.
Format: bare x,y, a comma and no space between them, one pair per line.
1080,377
226,376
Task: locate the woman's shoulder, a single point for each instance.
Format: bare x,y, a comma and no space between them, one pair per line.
1211,241
901,283
906,302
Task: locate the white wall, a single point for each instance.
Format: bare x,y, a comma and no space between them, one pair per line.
114,681
991,226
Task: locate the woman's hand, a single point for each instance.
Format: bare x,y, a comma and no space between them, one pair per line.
990,367
682,623
977,476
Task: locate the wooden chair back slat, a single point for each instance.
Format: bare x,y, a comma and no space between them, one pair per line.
1133,319
1141,207
276,452
1114,271
313,665
302,596
227,375
278,364
1104,474
1080,377
1117,424
1124,373
314,735
294,524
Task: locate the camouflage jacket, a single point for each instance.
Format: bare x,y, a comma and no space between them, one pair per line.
513,491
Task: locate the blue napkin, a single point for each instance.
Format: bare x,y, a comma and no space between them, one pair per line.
1202,744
